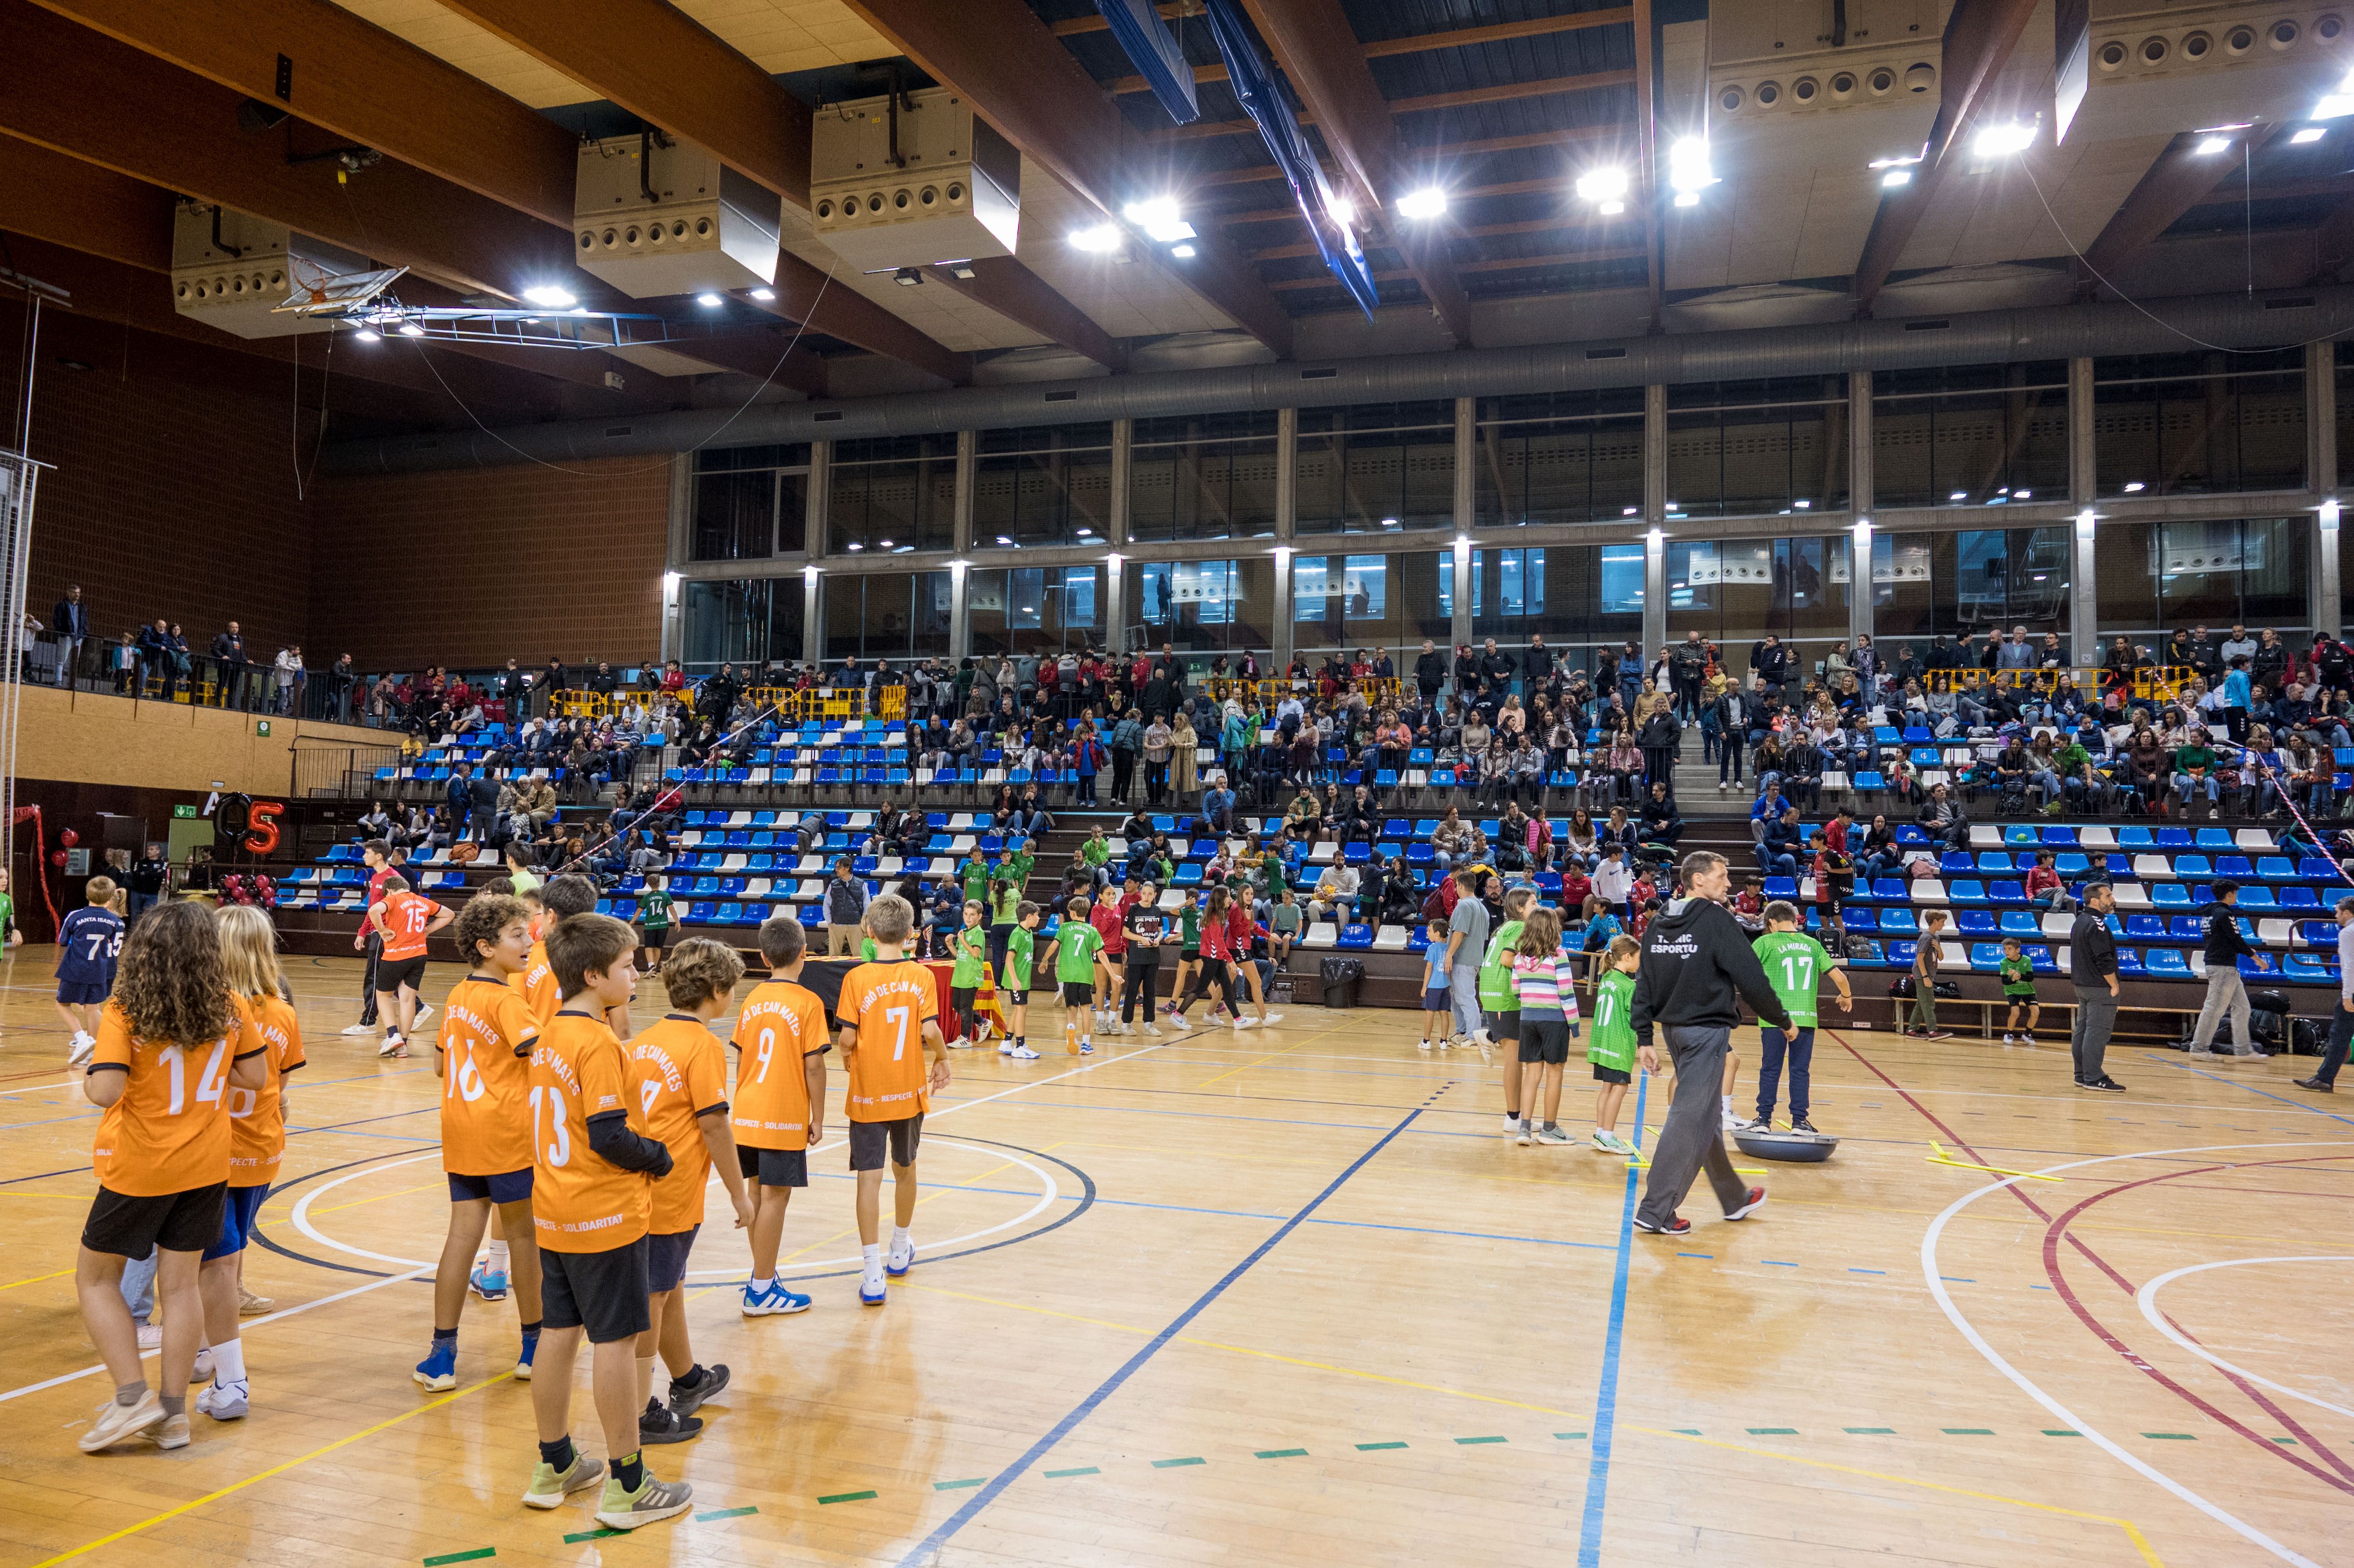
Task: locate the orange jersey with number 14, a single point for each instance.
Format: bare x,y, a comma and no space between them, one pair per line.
888,1005
169,1132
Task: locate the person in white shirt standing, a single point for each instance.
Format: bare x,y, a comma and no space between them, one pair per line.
2341,1018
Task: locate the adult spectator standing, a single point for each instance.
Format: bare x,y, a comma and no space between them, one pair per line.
1687,671
2225,949
2341,1017
2093,970
1697,967
70,624
1770,662
551,680
341,677
375,855
1466,948
845,911
229,666
150,875
2018,653
604,683
1429,672
513,688
716,697
1497,668
155,656
461,798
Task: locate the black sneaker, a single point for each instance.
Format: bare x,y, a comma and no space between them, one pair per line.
2106,1082
2316,1086
685,1401
1802,1125
661,1424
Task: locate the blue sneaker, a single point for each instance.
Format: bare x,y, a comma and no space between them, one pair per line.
1086,1050
490,1284
439,1370
776,1301
523,1361
870,1297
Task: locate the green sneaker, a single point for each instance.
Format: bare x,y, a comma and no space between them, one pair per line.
652,1501
549,1489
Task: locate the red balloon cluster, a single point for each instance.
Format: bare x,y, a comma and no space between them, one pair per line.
250,888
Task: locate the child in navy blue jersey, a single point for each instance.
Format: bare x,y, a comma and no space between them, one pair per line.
88,942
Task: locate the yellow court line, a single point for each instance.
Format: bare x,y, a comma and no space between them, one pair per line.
35,1279
277,1469
2133,1534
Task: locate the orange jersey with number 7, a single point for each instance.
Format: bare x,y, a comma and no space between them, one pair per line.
888,1005
781,1024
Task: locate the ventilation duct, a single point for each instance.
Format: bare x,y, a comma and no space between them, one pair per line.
2064,332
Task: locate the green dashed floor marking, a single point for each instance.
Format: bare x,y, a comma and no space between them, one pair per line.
848,1496
1369,1447
2061,1432
1968,1430
1280,1454
723,1513
1467,1441
2173,1436
1685,1431
1571,1436
1172,1464
461,1556
1773,1432
1872,1431
1065,1475
958,1486
599,1534
2289,1442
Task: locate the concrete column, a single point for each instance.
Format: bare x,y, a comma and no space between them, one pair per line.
1284,640
2084,642
2324,585
1860,500
1467,411
814,541
1655,515
1459,627
959,607
1858,580
1286,474
2083,481
1114,603
812,628
1122,434
2329,605
967,463
681,550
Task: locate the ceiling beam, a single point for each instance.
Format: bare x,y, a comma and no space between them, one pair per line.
60,199
1013,291
1501,92
365,85
1033,91
2175,182
1439,151
1980,36
1336,85
1482,231
1413,43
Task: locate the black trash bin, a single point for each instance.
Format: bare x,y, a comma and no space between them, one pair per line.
1341,977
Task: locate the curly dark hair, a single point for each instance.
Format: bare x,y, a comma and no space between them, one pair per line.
172,985
485,915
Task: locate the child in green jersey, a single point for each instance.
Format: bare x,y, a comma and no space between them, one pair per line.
1794,963
2018,972
653,918
1499,1008
1074,946
1612,1048
1004,899
1013,983
969,948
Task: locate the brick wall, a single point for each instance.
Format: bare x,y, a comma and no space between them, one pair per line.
471,567
173,491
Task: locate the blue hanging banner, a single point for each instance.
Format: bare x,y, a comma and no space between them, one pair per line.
1254,86
1155,54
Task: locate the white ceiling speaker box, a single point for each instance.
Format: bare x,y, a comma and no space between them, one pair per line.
2136,68
911,179
232,270
654,216
1786,73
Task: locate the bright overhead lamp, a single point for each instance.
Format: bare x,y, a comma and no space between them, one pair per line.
1159,218
1099,237
2337,106
1895,179
1180,251
551,295
368,334
2210,145
2308,136
1689,171
2136,488
1959,495
763,295
411,329
2002,141
709,302
1423,205
1343,211
1604,186
1687,198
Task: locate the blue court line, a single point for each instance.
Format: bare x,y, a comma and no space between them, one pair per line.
923,1551
1605,1399
2301,1104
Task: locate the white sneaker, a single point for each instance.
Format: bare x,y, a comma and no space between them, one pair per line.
1423,1045
1526,1132
151,1335
424,1011
1246,1023
960,1044
2010,1040
84,1046
392,1044
1023,1054
1153,1030
1271,1019
1481,1038
357,1029
1733,1122
1513,1128
203,1371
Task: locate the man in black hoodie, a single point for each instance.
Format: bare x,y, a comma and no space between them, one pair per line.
1697,966
2225,992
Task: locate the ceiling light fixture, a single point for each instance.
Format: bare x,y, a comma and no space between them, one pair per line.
1895,178
551,295
1606,188
1099,237
1180,251
763,295
411,329
2002,141
2213,145
368,334
1687,198
1343,211
1159,218
2136,488
1423,205
709,302
2308,136
908,277
1689,171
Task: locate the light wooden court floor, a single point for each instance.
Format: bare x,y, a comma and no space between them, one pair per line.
1289,1297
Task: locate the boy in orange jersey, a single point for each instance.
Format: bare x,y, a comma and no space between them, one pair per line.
487,1031
535,983
779,1109
591,1201
257,1140
171,1042
678,1078
405,919
883,1004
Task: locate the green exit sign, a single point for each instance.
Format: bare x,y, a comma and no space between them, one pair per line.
184,810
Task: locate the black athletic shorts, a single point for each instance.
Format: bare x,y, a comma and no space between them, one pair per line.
1543,1040
666,1259
1078,993
1503,1026
1602,1075
391,974
1014,998
867,1140
503,1187
603,1292
773,1167
176,1221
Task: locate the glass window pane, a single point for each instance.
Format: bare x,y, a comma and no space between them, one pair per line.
890,615
896,493
1959,434
2199,424
1203,477
1758,448
1559,457
752,621
1047,485
1381,468
1202,606
734,515
1034,609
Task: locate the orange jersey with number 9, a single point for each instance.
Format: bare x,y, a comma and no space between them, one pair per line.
888,1005
257,1117
582,1202
487,1031
169,1132
781,1025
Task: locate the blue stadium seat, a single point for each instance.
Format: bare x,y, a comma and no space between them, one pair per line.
2129,964
2012,891
2171,838
2276,868
2041,956
1873,956
2298,899
2304,968
2236,866
2257,897
1975,923
2136,838
2059,837
1355,937
2166,963
2146,928
1859,919
2187,866
1995,863
1971,891
1900,954
2185,929
2019,835
1986,958
2019,923
1954,863
2169,895
1781,888
2215,839
1899,920
1891,890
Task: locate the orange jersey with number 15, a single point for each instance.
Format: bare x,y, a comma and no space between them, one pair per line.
781,1026
888,1005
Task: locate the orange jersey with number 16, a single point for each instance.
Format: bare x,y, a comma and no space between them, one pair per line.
888,1005
781,1026
487,1031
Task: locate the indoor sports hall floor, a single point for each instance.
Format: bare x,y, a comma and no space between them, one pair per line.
1287,1296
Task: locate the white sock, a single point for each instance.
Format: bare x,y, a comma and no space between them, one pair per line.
871,1260
498,1256
1728,1099
228,1361
763,1285
899,1238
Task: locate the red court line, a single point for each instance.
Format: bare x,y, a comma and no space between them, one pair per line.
2062,1287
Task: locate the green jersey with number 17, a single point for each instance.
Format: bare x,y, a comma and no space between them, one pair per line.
1794,963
